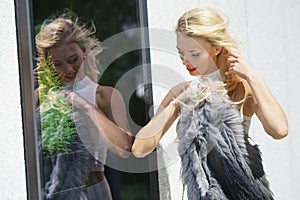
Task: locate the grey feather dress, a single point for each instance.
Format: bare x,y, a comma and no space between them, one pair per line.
218,162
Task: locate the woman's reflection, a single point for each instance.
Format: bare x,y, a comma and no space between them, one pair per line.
76,171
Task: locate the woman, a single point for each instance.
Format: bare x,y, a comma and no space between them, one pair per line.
218,161
80,173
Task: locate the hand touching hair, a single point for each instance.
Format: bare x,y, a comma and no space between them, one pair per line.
208,24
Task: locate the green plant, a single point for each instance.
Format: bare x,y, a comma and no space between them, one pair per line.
57,127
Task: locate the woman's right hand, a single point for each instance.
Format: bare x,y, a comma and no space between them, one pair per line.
191,92
77,101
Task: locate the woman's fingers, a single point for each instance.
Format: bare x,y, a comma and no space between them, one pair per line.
232,54
77,101
190,92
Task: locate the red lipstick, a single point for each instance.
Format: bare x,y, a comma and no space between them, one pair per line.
190,69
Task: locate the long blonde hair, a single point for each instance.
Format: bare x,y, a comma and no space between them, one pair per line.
68,28
208,24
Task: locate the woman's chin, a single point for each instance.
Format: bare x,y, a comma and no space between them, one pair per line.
69,81
194,73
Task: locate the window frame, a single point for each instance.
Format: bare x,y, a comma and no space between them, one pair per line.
25,61
143,17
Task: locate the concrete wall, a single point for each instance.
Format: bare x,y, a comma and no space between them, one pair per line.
267,32
12,168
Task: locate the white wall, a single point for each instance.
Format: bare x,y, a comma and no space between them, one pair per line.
12,168
267,32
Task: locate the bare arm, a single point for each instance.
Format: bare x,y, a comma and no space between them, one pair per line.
113,120
112,126
269,111
267,108
148,137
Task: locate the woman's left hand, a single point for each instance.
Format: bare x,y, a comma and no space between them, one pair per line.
268,110
238,65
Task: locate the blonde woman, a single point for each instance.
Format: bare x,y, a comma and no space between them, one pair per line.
80,173
215,111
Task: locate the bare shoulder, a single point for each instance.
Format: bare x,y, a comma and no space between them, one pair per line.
103,96
104,91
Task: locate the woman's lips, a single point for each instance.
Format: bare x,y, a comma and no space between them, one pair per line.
190,69
71,77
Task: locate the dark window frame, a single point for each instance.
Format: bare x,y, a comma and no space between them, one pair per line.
25,37
143,17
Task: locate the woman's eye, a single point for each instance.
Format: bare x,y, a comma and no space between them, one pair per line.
57,65
73,60
196,54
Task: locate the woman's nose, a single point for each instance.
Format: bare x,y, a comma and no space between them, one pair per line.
70,68
184,60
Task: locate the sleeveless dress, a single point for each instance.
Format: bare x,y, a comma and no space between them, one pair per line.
218,161
65,175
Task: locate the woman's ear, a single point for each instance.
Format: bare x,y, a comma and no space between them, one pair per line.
218,50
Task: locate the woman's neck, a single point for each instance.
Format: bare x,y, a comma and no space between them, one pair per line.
213,76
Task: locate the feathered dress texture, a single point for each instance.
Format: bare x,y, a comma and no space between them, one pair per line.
218,162
66,176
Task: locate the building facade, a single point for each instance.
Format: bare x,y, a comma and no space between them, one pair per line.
268,36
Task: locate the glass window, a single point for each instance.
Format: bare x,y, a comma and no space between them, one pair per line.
124,70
